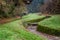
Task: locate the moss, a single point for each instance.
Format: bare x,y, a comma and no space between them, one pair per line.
50,25
32,18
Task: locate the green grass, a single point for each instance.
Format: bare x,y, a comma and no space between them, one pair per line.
32,18
16,31
50,25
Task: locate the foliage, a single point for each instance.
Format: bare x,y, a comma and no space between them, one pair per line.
12,8
51,6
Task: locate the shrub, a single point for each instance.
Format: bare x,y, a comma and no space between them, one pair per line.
50,25
32,18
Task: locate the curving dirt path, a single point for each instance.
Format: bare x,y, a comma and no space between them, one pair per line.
50,37
6,20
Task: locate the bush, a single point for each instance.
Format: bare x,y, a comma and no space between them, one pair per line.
50,25
31,18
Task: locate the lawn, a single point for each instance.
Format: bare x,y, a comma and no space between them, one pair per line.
50,25
32,18
16,31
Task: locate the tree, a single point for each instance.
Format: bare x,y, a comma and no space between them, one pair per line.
51,6
11,8
56,6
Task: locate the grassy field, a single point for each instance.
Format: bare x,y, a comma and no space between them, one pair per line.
16,31
32,18
50,25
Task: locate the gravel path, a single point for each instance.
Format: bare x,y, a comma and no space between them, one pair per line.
50,37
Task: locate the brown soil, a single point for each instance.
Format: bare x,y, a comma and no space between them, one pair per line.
6,20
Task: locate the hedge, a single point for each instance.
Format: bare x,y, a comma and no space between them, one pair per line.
50,25
32,18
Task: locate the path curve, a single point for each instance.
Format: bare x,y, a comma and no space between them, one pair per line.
50,37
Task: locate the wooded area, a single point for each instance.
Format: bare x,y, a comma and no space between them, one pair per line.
12,8
52,7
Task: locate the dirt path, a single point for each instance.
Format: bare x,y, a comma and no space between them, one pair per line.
5,20
50,37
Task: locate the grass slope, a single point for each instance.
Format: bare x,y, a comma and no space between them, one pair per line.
50,25
15,31
32,18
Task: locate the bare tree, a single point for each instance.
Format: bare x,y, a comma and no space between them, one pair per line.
51,6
